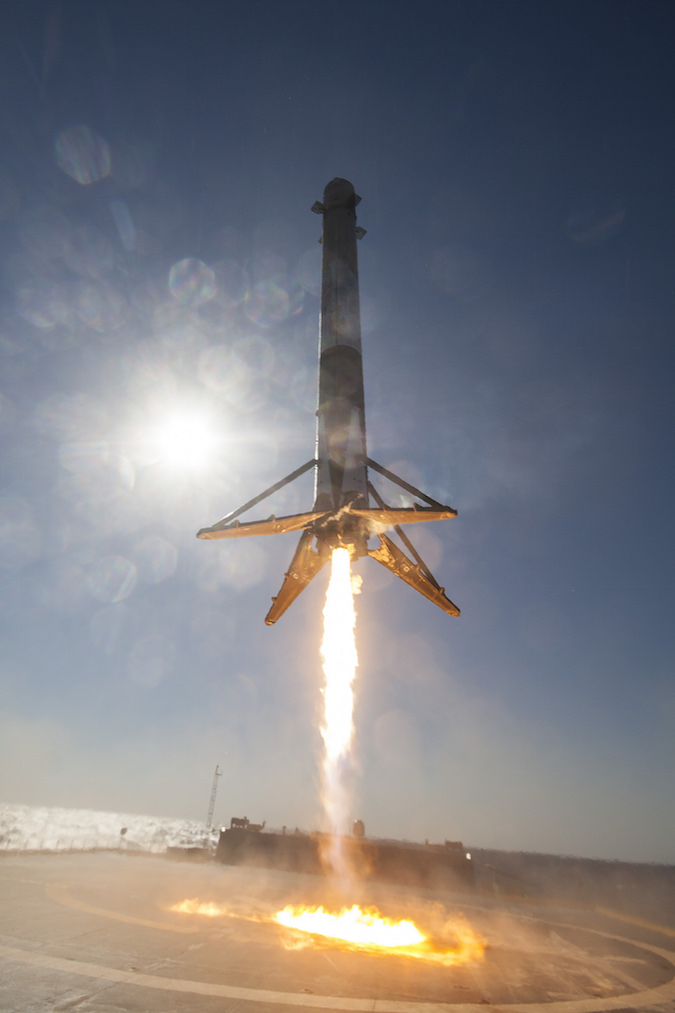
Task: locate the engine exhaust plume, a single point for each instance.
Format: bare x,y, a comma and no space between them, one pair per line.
340,660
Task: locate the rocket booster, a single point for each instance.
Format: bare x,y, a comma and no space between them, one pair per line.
342,515
341,475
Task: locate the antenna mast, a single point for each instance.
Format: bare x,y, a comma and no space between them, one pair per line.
212,801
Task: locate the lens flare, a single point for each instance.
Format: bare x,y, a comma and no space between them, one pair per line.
192,282
82,154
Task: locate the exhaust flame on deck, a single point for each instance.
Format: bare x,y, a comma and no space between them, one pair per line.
363,930
196,907
352,925
451,941
366,930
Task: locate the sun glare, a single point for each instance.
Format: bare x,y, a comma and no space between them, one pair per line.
184,440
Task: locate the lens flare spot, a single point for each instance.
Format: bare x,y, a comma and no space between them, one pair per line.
124,222
9,195
589,227
133,163
273,301
107,627
88,252
192,282
112,579
156,559
214,369
64,588
7,414
82,154
44,231
241,373
70,417
150,661
84,457
308,271
243,567
20,538
100,307
43,304
231,281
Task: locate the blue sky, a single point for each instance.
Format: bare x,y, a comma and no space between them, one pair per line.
515,163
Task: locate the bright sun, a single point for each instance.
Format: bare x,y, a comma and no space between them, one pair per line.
184,439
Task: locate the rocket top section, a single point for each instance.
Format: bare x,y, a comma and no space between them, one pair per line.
340,193
340,313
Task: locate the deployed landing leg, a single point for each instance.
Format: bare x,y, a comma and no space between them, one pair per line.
305,565
417,573
352,524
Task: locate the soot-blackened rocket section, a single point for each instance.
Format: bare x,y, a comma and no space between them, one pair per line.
342,515
341,472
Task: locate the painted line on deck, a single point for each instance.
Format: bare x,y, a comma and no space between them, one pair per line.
641,923
632,1000
61,894
570,905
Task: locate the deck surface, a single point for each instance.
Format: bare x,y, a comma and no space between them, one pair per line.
93,933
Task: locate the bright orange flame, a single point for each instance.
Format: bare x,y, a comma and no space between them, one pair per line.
360,929
368,930
352,925
195,907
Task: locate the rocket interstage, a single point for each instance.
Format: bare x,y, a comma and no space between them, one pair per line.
342,515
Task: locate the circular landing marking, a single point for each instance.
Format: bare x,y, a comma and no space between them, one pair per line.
61,894
633,1000
665,930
